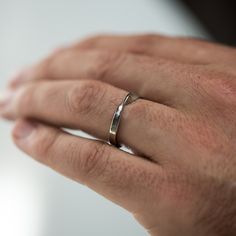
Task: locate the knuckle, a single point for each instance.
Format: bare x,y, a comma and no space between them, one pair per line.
25,96
44,68
105,64
147,38
43,146
144,43
47,67
94,160
82,99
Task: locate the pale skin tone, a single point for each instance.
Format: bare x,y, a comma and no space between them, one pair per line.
181,179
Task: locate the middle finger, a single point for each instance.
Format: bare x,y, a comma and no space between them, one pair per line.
156,79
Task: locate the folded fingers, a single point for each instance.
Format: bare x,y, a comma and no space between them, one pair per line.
161,48
180,49
160,80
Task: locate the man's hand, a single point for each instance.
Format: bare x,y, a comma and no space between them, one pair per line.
181,179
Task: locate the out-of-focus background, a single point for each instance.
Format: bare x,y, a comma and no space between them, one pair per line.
34,200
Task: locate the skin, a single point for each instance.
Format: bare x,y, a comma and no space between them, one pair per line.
181,177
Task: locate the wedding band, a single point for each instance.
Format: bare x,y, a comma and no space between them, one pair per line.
130,98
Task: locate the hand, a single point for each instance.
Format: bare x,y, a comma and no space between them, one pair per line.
181,179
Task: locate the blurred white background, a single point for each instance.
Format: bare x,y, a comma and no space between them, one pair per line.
35,201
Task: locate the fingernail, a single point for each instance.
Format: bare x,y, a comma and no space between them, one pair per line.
24,129
5,98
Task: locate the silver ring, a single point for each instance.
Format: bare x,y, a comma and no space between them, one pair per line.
130,98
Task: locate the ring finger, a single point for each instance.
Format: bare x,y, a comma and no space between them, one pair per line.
89,106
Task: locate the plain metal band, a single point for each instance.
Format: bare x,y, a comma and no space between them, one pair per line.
130,98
